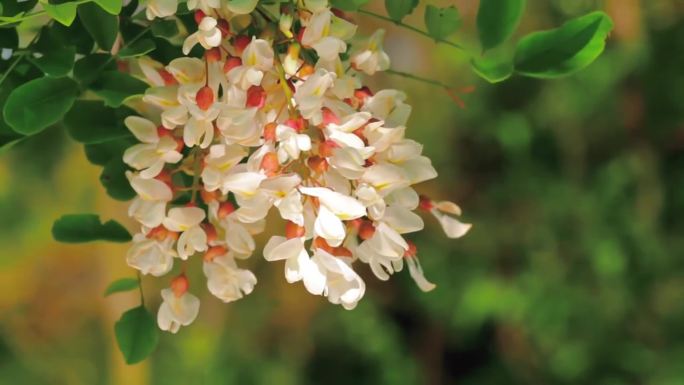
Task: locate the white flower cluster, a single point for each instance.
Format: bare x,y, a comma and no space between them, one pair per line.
275,121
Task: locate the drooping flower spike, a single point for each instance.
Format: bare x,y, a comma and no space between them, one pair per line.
275,120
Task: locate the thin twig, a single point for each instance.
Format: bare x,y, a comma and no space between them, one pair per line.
411,28
418,78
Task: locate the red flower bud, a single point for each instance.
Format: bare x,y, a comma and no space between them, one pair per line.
325,149
293,230
297,123
180,285
204,98
240,43
224,27
366,230
225,209
169,80
270,164
214,252
208,196
213,55
411,251
425,203
256,96
317,164
199,15
270,132
231,62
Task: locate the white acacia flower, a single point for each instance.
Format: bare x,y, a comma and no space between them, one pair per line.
372,58
160,8
187,220
388,105
452,226
208,35
309,95
154,152
239,126
218,163
342,285
298,264
416,272
274,128
334,208
151,256
257,58
291,143
149,207
283,193
175,311
326,33
226,280
204,5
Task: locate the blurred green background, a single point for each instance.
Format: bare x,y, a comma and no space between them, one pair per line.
572,274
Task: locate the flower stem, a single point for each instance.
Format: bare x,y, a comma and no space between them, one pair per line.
418,78
140,288
411,28
195,174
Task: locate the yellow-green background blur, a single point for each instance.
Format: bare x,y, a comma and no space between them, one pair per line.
573,272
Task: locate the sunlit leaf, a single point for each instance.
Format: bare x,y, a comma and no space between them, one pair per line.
64,13
492,71
562,51
111,6
497,20
121,285
398,9
442,22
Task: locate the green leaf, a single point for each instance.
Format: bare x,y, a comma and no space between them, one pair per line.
121,285
39,103
102,26
398,9
79,228
348,5
497,20
111,6
64,13
166,29
101,153
116,87
15,8
562,51
491,70
441,22
89,68
55,57
137,334
114,180
90,121
138,48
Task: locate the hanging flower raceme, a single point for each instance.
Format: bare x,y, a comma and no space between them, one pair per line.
269,120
